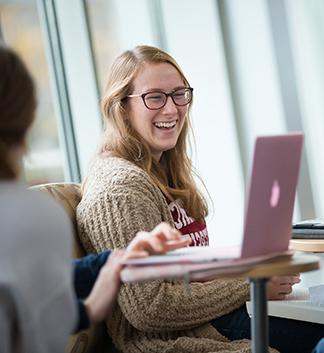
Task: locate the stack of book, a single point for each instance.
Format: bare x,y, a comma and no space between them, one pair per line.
309,229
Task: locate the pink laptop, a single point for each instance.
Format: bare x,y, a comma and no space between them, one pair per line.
269,207
270,204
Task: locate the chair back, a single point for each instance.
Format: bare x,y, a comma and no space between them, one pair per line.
95,339
69,196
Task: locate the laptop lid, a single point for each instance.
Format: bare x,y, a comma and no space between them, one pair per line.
271,194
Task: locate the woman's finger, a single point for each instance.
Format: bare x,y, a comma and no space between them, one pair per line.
164,231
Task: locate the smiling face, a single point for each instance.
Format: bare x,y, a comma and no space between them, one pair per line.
159,128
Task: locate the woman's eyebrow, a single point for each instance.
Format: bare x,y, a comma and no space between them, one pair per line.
162,90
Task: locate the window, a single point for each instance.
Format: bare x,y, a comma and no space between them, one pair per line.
20,27
117,25
305,21
104,37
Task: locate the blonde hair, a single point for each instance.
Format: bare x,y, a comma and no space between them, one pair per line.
173,174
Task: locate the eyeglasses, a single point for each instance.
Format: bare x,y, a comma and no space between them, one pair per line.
155,100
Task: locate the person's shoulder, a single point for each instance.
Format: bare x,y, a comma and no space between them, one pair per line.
112,178
117,168
27,204
112,172
16,196
24,211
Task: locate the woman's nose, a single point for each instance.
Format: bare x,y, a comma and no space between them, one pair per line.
169,107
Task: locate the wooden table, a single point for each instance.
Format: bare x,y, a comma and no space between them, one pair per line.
258,276
307,245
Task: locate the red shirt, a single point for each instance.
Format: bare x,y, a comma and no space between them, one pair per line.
197,231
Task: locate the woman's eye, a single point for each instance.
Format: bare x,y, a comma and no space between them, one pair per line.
154,97
180,93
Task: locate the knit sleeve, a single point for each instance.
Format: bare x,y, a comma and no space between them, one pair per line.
157,305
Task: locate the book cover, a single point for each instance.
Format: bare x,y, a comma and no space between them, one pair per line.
307,233
308,229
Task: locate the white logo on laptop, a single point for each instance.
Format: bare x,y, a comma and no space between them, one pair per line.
275,194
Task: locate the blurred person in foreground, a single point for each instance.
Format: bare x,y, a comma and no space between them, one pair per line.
38,286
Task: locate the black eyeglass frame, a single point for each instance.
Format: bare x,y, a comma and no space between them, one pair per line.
167,95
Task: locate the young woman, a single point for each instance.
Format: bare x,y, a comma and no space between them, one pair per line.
37,301
142,176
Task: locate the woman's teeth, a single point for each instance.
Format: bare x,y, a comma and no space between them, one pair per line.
165,125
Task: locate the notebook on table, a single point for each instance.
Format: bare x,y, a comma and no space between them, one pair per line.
267,225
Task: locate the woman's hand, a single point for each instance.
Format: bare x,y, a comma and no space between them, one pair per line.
278,287
100,303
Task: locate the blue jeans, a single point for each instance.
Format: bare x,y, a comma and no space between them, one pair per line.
320,347
287,336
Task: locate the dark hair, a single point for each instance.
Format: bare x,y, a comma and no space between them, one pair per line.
17,107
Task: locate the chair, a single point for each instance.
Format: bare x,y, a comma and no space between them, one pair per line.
95,339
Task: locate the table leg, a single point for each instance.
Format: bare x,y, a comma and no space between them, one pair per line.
259,321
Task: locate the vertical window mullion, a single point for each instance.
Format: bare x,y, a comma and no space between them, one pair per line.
55,56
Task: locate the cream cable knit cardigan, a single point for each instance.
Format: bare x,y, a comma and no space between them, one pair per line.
158,317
